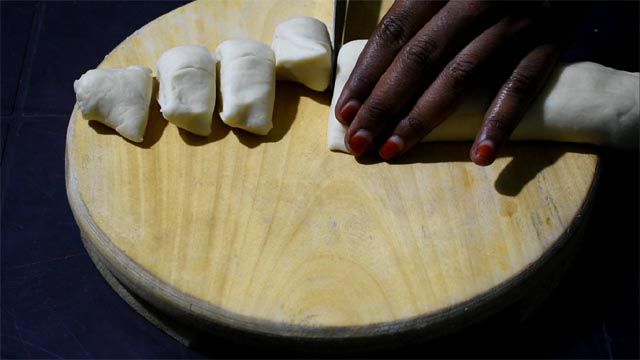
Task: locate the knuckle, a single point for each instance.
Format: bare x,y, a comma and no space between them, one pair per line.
416,126
475,5
520,24
520,83
499,124
359,81
375,111
392,32
420,52
461,70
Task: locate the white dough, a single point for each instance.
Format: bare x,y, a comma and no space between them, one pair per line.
247,85
582,102
118,98
303,52
347,58
187,94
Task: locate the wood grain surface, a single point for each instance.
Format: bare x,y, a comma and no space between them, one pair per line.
277,235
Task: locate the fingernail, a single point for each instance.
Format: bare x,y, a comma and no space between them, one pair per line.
484,152
349,111
391,148
360,142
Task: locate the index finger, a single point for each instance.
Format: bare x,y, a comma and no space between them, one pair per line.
398,26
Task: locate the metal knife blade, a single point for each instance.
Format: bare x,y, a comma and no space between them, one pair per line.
339,19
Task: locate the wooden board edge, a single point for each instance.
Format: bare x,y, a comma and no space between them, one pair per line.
199,340
206,316
178,331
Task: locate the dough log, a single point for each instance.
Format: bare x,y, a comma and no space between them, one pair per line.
118,98
582,103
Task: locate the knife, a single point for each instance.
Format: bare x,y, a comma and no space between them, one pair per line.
339,19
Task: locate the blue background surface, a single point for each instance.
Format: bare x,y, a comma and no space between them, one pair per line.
54,303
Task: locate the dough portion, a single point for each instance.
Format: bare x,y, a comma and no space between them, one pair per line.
187,94
347,58
118,98
303,52
582,102
247,85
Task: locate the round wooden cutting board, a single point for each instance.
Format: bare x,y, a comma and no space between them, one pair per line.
277,235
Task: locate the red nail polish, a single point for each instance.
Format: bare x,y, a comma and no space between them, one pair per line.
359,143
389,150
349,111
484,152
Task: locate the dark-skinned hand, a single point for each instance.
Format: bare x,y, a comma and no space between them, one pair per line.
425,56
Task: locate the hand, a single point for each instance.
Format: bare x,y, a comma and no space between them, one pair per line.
425,55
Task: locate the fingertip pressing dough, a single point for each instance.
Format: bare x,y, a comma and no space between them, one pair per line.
582,102
303,52
187,94
247,85
118,98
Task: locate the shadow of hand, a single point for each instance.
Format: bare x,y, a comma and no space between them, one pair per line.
528,160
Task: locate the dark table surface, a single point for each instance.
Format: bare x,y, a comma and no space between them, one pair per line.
55,303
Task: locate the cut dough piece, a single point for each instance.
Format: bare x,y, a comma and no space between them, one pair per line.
347,58
247,85
303,52
583,103
187,95
118,98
